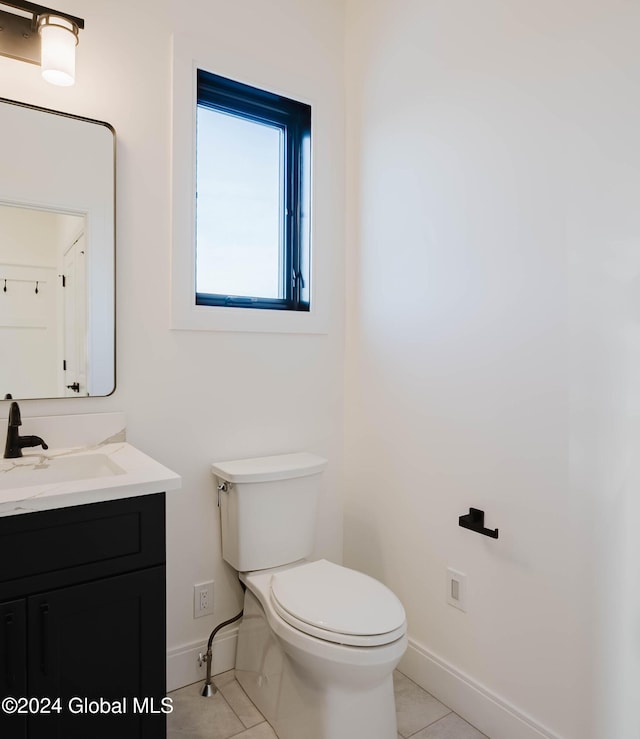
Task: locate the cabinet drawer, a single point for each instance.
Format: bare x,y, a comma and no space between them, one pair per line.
54,548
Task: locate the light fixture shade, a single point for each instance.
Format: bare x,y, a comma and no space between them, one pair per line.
58,37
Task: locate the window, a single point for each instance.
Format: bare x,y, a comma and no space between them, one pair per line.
253,152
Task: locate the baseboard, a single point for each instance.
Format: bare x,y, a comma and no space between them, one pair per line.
182,662
489,713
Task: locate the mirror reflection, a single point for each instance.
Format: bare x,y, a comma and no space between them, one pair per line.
56,255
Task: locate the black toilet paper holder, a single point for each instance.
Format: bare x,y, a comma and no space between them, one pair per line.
474,520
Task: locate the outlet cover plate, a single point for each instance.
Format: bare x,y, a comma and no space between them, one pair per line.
203,599
456,589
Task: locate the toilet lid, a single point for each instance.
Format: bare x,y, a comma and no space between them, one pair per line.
338,604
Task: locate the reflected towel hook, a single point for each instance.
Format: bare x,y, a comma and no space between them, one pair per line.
37,286
4,289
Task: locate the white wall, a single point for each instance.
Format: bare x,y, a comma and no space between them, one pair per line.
492,348
29,237
192,397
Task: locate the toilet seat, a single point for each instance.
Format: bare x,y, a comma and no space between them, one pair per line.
337,604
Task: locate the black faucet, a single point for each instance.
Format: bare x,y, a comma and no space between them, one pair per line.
16,443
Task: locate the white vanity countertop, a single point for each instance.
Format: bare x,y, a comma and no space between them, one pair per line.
79,475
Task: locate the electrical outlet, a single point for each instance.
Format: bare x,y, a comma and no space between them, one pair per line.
457,589
203,599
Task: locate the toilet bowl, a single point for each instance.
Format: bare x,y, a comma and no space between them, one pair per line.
318,642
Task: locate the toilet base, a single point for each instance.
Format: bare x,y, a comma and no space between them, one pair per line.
302,693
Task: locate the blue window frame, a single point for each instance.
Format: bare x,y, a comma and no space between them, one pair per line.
253,151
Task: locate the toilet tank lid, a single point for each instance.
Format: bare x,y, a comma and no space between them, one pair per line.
265,469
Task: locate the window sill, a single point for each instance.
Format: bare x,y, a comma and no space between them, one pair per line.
219,318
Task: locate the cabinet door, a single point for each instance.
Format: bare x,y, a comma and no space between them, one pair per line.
13,657
100,641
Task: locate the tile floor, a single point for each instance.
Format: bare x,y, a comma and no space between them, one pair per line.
230,713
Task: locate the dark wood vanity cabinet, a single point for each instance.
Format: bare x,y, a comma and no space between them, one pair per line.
82,621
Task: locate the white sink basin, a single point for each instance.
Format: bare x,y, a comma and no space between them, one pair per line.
57,478
88,461
43,470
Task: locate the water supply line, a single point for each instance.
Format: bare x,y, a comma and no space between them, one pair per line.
209,688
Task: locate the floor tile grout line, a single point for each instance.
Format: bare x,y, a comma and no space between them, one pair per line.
222,696
434,698
219,690
426,726
424,691
252,703
247,728
179,733
264,720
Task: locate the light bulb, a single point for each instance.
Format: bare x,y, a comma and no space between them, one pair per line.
58,37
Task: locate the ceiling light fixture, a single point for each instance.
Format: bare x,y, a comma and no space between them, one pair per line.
40,35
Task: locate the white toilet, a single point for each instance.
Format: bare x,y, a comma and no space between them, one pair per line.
318,643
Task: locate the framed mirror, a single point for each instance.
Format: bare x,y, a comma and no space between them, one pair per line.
57,254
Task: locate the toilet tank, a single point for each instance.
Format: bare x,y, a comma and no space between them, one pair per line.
268,512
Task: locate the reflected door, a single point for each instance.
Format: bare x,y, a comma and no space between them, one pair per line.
75,319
